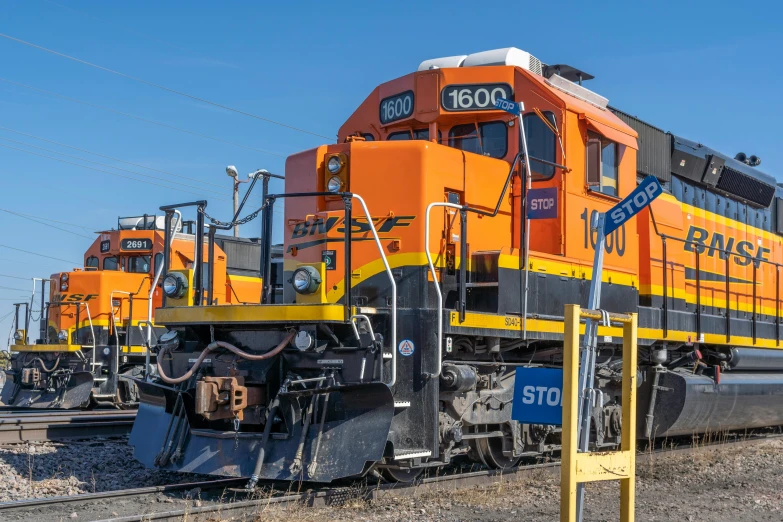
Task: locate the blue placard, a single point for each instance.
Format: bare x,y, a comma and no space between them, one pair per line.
648,190
538,396
542,203
507,105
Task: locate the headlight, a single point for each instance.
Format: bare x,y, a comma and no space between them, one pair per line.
17,335
175,285
306,280
63,282
334,184
63,335
64,277
334,164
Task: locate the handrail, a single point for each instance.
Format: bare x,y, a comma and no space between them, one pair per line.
347,197
356,330
114,325
435,276
698,249
154,285
393,285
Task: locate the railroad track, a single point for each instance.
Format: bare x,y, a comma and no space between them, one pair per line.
224,500
42,425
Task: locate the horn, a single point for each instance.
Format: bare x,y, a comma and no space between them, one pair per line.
754,161
741,157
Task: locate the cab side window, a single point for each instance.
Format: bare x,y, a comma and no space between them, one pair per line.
110,263
602,171
139,264
489,139
541,143
91,262
158,261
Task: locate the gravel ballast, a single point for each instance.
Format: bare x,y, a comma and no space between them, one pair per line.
47,469
739,483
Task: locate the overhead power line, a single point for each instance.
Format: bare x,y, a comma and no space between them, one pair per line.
104,171
45,224
146,120
40,255
12,288
103,164
47,219
163,87
16,277
110,157
128,29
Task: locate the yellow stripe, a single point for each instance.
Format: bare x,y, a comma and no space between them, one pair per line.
690,298
514,323
725,221
46,348
250,314
251,279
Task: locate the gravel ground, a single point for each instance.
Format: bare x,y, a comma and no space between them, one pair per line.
717,483
38,470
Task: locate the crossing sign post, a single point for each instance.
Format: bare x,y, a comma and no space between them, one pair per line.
605,224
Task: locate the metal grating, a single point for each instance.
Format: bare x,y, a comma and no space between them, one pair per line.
654,154
743,186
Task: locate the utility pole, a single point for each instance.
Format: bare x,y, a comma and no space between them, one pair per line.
231,171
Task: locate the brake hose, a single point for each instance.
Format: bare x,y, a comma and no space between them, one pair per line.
48,370
220,344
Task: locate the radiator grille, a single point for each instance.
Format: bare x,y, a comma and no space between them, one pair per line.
746,187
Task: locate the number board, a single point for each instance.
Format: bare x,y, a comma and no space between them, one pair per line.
397,107
105,246
474,96
136,244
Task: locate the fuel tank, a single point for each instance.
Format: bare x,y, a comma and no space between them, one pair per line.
687,403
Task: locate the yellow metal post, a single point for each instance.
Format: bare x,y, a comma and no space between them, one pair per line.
628,438
570,414
590,467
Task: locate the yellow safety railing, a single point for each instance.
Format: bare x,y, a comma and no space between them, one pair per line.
594,466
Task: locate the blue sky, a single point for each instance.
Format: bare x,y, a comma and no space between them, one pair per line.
706,70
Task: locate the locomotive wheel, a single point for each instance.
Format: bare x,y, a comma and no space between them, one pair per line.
404,476
490,452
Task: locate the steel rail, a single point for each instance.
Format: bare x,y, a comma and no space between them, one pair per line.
31,426
320,497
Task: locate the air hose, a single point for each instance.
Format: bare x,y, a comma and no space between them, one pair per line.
220,344
48,370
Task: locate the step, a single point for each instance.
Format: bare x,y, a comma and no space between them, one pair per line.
387,355
411,454
402,404
482,285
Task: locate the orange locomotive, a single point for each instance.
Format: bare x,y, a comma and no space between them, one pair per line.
94,328
416,280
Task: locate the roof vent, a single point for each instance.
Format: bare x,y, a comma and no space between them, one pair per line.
577,91
507,56
441,63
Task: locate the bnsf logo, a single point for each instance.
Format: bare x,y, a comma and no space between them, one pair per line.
717,242
319,226
73,298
